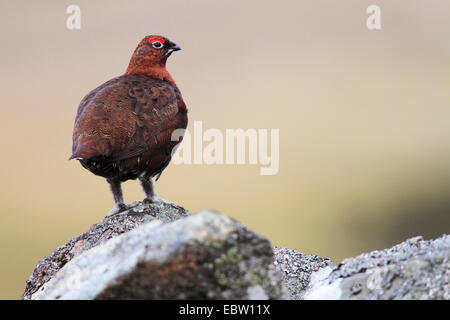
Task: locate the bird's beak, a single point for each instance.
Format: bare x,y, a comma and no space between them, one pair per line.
173,48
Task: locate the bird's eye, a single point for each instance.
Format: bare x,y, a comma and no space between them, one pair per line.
157,45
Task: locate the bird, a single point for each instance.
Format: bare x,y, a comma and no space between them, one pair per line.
123,128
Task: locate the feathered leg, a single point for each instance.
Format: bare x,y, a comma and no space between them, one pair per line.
147,186
116,190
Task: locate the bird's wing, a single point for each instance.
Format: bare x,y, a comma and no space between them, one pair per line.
124,117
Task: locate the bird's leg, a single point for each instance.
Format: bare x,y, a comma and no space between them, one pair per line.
147,186
116,190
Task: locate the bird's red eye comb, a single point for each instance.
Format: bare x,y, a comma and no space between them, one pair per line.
153,40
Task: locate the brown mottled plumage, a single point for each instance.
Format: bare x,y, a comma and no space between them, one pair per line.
123,128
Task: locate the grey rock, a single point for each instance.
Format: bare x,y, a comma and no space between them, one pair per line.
160,251
203,256
414,269
140,213
297,269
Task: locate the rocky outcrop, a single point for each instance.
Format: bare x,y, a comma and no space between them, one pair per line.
414,269
160,251
297,269
203,256
110,227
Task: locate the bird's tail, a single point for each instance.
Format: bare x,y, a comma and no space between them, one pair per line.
86,147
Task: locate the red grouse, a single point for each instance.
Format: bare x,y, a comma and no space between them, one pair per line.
123,128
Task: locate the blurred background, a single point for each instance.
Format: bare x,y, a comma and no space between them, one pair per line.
364,119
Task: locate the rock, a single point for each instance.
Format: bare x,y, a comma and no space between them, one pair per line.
297,269
160,251
110,227
414,269
203,256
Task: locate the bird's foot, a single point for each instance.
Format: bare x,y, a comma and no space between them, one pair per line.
152,199
117,209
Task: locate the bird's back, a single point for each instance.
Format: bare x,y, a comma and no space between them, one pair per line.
123,128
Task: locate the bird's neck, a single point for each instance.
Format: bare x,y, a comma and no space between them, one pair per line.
155,72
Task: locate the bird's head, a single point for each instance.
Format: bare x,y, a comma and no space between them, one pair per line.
151,55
